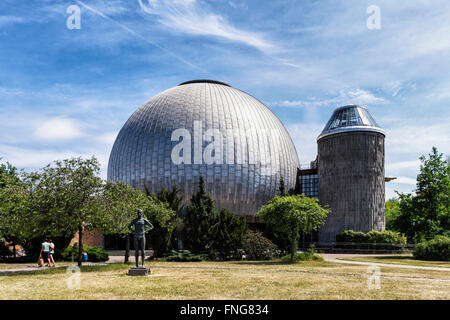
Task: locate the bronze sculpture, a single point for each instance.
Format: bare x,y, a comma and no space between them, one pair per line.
139,224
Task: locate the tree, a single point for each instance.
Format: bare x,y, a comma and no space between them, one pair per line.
199,220
119,202
162,234
392,213
229,233
291,215
283,192
14,221
427,213
65,197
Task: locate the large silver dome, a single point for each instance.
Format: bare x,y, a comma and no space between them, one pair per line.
206,128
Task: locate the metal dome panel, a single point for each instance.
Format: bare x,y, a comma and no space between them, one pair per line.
142,153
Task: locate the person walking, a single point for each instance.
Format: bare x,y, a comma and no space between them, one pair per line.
45,252
52,252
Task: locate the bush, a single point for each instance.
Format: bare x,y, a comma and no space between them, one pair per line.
185,256
347,239
301,256
95,254
435,249
4,251
258,247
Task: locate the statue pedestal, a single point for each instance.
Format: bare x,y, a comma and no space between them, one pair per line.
139,271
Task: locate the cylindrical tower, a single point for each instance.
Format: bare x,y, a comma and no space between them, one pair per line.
351,173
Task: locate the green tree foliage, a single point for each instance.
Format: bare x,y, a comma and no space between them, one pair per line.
437,249
119,203
161,240
283,192
229,233
14,223
64,197
291,215
199,221
427,213
392,212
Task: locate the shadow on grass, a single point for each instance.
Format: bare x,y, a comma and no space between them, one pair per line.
278,262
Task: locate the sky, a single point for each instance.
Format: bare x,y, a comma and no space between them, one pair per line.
67,91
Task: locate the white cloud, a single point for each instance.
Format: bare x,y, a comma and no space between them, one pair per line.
34,158
348,96
6,20
190,17
405,164
304,136
418,138
58,129
10,91
405,180
107,139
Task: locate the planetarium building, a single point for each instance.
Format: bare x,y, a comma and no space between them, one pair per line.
208,128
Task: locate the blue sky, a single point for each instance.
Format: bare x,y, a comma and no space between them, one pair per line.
68,92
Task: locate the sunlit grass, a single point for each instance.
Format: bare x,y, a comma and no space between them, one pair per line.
229,280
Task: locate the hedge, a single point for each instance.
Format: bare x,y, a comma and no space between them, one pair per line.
95,254
185,256
435,249
369,240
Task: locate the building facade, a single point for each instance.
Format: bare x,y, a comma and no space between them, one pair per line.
207,128
351,173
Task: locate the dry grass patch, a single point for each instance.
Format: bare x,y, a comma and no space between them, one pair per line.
231,280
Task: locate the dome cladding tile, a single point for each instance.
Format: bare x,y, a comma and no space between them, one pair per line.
238,145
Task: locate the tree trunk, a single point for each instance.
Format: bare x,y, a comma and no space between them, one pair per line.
127,248
294,241
80,245
293,247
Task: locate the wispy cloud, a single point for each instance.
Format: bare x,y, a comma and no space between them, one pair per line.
138,35
6,20
190,17
349,96
406,180
10,91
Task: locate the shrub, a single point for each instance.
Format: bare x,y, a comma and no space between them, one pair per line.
348,239
185,256
258,247
301,256
4,251
95,254
229,233
435,249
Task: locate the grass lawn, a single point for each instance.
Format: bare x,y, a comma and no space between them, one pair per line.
406,259
7,266
229,280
